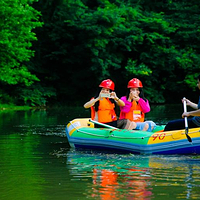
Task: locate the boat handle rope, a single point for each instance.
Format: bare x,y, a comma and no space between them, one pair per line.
85,132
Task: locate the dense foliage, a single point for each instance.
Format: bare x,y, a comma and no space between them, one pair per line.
82,42
18,19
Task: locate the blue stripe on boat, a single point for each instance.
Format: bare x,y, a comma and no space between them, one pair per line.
174,147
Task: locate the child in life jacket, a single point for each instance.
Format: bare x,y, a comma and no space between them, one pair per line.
136,105
103,106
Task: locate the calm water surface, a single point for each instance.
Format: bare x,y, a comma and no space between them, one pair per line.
37,163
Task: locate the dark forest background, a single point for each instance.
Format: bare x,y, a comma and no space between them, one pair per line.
56,52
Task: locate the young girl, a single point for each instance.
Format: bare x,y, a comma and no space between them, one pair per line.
136,105
103,106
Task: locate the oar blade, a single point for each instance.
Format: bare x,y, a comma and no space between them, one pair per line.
188,137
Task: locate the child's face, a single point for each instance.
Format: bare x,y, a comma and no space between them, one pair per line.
135,91
105,90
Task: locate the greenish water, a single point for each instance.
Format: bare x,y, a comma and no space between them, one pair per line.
37,163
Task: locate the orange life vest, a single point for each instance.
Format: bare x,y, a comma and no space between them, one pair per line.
106,112
135,114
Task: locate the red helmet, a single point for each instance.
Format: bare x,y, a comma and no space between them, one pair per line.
134,83
107,84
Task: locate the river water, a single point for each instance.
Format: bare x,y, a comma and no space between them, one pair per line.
36,162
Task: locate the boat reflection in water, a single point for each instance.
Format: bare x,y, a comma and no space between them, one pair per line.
115,176
107,186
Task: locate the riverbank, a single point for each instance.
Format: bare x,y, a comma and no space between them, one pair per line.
14,107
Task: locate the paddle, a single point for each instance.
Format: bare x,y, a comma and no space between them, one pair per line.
186,121
101,124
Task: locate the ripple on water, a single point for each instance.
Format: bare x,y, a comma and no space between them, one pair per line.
132,175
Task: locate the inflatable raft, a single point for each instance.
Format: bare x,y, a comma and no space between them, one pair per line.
81,133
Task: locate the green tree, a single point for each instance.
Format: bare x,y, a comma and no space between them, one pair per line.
121,40
182,61
84,41
17,22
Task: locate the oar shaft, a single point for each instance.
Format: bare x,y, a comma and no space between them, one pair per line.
101,124
186,121
185,110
